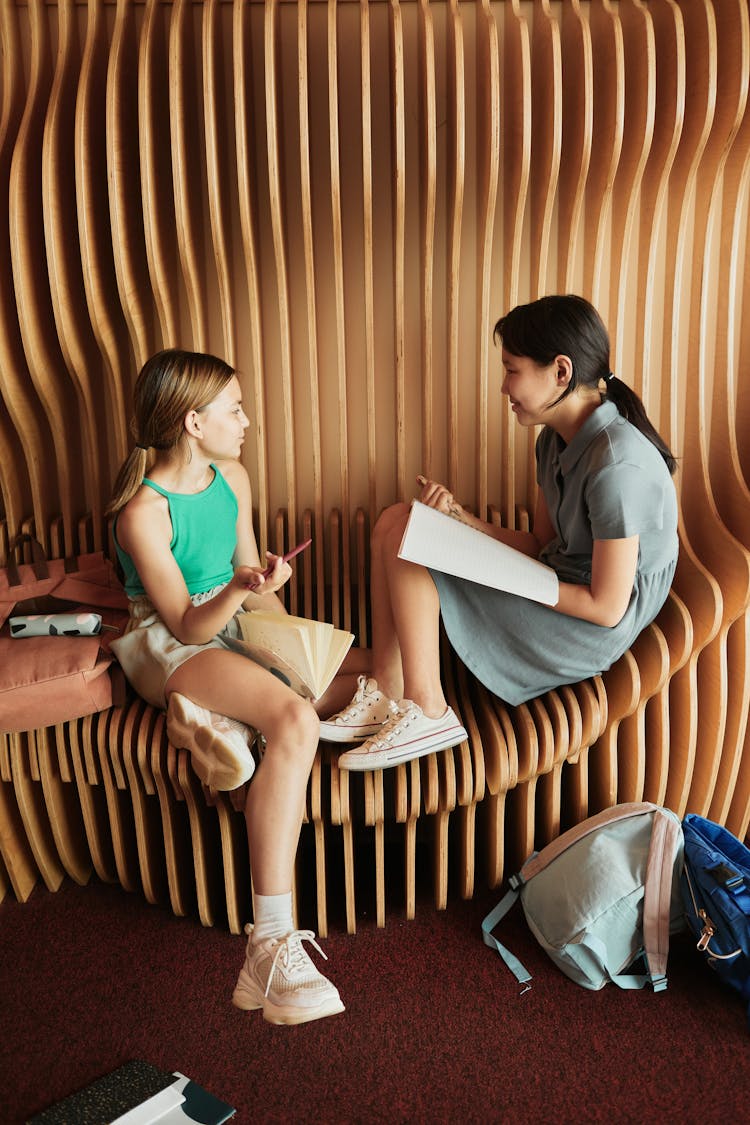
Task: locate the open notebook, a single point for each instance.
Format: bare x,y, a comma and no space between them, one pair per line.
442,543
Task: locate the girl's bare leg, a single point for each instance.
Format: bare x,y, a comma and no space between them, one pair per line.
387,667
406,620
229,684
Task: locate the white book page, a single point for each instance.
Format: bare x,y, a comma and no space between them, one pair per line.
307,653
341,642
282,635
443,543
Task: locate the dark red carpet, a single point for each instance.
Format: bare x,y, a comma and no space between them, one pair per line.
435,1029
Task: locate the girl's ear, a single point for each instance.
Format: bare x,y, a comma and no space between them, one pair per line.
564,372
192,424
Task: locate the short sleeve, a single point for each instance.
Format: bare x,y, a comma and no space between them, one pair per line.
624,500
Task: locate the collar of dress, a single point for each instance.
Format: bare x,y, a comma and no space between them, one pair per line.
598,420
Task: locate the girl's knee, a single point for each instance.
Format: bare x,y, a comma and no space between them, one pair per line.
297,725
390,523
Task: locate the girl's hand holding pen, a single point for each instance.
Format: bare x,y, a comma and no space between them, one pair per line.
264,579
436,495
272,577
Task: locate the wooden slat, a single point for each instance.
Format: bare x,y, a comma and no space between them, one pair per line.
456,172
608,125
577,133
156,172
488,115
46,364
427,217
126,216
137,736
244,155
338,300
283,381
313,388
109,374
176,841
64,264
22,483
63,809
33,814
186,167
546,139
639,62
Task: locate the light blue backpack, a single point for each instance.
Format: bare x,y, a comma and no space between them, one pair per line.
602,895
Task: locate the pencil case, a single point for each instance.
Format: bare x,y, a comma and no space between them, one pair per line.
82,624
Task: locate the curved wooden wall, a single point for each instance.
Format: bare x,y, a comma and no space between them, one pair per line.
341,198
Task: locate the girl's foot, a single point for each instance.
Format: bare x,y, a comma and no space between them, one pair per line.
407,734
279,977
219,746
362,717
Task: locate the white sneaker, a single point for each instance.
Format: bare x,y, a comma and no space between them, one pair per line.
408,734
362,717
219,746
279,977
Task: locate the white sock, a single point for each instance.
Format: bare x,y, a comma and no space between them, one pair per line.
272,916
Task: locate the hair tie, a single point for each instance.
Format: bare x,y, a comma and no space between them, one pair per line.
610,377
140,445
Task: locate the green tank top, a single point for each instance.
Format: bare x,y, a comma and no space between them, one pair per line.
204,536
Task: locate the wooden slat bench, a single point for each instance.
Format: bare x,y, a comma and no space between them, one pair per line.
108,795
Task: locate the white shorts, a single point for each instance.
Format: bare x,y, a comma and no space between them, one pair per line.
149,653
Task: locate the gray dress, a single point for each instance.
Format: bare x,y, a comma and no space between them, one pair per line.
610,482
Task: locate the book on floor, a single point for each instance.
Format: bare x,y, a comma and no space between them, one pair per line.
138,1093
109,1097
153,1109
305,654
197,1105
443,543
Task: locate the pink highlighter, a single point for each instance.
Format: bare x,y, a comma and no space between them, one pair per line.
289,555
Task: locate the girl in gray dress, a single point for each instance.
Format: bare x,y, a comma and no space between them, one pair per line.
605,520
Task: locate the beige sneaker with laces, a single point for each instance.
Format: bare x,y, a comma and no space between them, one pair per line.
279,977
407,734
361,718
219,746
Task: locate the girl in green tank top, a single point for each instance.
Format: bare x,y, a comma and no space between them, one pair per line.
185,540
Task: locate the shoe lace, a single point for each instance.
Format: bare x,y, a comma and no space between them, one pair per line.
358,702
400,719
292,956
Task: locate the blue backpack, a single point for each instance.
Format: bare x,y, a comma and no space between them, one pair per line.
715,888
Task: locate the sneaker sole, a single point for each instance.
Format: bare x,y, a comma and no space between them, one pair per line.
382,759
248,999
218,763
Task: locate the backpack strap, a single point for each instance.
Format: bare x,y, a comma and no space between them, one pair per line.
666,834
522,975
